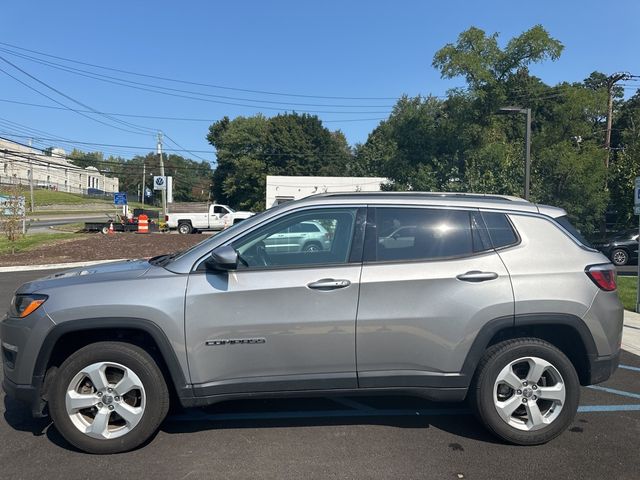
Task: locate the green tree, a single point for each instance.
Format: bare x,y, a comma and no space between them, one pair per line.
250,148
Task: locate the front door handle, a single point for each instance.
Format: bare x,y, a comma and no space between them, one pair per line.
329,284
477,276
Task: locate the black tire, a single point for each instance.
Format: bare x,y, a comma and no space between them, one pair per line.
130,356
482,390
185,228
312,247
619,257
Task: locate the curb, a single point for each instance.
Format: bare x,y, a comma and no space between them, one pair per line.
56,266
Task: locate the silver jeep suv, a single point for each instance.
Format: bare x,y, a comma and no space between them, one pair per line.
486,298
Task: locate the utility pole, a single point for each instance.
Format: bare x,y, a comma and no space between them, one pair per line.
610,82
527,145
144,187
32,206
164,191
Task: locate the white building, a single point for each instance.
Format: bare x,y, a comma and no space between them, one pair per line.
282,189
54,171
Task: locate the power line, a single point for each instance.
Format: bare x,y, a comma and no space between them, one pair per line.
185,119
186,82
118,80
62,104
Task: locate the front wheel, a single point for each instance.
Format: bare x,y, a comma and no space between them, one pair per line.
526,391
108,397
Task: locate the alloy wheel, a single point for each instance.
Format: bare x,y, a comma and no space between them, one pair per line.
529,393
105,400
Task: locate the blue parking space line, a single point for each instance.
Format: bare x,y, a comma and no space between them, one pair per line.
351,403
614,391
629,367
608,408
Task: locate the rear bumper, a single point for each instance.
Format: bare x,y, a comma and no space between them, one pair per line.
601,368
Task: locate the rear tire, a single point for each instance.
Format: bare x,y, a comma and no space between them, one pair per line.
535,404
619,257
185,229
98,383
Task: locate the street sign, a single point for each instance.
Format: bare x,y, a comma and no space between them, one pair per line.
148,192
120,198
636,193
159,183
10,207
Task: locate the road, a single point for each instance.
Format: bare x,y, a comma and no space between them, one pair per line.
354,437
42,224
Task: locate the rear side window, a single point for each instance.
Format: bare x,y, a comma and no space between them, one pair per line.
500,229
566,224
420,233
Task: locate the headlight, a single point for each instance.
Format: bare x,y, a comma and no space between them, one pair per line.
23,305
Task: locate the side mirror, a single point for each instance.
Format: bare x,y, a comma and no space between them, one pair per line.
222,259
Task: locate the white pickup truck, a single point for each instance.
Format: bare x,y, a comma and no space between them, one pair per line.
218,217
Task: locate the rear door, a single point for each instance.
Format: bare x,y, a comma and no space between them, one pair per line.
424,299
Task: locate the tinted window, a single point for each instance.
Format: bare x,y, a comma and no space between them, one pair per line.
304,227
283,242
500,229
566,224
420,233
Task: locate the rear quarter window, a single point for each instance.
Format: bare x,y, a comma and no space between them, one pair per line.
500,229
566,224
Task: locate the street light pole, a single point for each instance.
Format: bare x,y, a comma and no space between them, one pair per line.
527,157
527,146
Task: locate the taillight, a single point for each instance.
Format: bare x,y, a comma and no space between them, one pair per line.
166,218
604,276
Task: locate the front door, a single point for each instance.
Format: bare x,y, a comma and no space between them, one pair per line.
285,319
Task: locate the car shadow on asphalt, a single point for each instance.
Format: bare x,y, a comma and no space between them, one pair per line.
401,412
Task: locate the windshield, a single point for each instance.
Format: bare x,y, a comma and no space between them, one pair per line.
566,224
231,210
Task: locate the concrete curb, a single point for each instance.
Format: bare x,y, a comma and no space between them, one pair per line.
56,266
631,332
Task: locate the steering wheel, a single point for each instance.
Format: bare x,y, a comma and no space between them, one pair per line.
261,254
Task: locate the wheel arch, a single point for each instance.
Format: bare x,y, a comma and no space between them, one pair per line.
566,332
72,335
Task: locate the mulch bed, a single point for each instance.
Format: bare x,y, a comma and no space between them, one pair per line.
103,247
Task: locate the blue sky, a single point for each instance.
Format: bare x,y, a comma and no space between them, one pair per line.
326,48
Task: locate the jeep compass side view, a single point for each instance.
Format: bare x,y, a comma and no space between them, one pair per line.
452,297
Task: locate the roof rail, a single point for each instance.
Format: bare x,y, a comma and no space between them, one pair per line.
460,195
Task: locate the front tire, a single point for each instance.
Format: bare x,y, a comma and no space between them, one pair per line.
525,391
108,397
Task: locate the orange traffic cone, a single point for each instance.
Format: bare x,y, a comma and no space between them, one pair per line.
111,228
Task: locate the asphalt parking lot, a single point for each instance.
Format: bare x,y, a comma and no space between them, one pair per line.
354,437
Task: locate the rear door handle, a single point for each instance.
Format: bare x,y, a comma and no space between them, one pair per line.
477,276
329,284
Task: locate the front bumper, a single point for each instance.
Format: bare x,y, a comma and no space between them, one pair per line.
29,394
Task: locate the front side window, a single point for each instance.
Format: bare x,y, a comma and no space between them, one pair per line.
421,233
314,237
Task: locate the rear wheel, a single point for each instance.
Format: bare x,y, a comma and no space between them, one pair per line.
185,228
619,257
526,391
312,247
108,397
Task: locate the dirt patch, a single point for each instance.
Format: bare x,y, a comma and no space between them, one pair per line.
103,247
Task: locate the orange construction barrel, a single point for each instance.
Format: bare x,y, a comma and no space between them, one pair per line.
143,224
